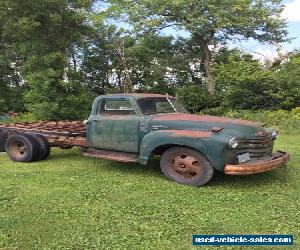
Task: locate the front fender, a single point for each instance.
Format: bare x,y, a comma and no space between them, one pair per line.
213,146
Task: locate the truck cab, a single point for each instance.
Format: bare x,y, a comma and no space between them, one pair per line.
119,122
192,147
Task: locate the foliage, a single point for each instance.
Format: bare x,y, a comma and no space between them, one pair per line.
287,121
209,22
247,85
289,81
11,88
23,117
43,34
51,97
94,58
55,56
244,83
113,59
196,98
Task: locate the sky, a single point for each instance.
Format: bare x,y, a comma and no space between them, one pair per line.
292,14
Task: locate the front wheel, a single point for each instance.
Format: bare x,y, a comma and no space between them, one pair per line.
186,166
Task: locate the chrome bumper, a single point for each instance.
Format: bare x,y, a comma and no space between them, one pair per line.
280,159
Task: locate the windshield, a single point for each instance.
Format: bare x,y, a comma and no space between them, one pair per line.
158,105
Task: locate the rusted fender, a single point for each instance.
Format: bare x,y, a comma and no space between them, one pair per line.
209,144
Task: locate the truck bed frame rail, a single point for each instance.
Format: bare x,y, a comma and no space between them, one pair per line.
59,133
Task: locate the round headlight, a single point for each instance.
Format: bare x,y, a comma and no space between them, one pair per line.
274,135
233,143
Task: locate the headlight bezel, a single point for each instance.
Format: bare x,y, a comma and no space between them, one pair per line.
233,143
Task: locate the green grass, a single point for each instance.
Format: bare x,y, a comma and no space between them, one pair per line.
70,201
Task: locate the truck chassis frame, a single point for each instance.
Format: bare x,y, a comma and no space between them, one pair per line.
63,134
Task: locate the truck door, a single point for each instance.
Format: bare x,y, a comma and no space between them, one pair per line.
115,126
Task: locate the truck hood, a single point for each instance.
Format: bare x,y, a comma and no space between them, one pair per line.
233,127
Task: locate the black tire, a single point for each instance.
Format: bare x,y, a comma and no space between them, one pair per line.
186,166
4,134
22,148
44,146
2,142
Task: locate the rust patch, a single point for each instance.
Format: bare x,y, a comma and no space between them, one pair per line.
148,95
112,155
202,118
216,129
259,167
189,133
63,141
140,95
66,127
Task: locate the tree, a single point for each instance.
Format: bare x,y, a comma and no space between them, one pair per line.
210,22
114,60
95,57
44,35
289,77
152,64
11,83
247,84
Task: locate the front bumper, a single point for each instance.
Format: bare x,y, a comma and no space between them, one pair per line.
279,159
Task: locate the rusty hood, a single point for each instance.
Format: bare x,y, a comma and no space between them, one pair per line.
178,121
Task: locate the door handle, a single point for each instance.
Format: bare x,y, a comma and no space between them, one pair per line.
98,121
87,122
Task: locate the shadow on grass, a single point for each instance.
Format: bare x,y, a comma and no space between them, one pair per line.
276,176
219,179
64,154
153,169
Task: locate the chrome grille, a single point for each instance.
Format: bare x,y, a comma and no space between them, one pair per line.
258,147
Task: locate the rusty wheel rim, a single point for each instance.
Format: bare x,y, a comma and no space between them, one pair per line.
186,166
18,149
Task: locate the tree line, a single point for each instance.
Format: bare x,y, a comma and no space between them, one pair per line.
57,55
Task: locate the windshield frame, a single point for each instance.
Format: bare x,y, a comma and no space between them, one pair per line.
168,99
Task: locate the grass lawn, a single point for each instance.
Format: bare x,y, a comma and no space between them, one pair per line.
70,201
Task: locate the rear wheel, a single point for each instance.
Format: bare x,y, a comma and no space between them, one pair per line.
186,166
3,137
22,148
44,147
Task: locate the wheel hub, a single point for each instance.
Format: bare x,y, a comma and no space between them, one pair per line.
186,166
18,149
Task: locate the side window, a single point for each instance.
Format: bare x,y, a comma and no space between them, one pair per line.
115,107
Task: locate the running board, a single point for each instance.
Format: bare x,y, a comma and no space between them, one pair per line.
112,155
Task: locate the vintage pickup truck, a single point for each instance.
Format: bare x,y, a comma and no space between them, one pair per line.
134,127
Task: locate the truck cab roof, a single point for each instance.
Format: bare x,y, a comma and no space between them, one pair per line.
134,95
